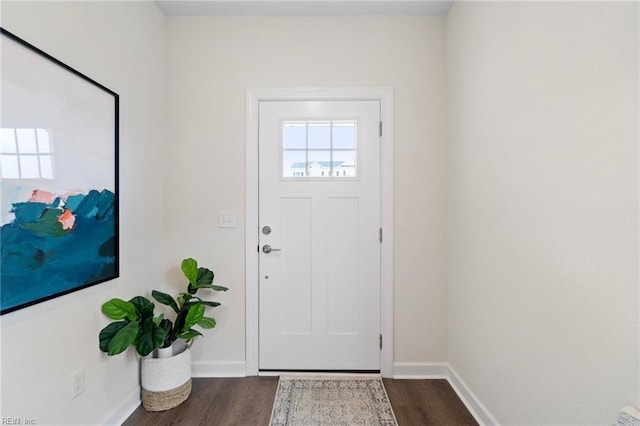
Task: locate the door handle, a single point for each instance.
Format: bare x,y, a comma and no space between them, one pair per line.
268,249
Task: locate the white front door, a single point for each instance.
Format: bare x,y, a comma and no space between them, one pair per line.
319,219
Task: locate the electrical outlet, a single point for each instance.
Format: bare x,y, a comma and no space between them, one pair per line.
78,382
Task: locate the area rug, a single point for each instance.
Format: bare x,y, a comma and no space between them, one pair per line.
331,401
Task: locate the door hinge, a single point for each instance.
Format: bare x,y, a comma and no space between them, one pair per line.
381,342
380,128
380,235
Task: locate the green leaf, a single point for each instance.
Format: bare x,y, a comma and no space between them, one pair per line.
167,326
119,309
203,280
190,269
205,276
212,287
165,299
207,322
107,333
143,306
204,302
123,338
189,334
151,336
158,320
178,324
194,316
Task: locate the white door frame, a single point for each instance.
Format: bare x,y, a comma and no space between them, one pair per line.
254,97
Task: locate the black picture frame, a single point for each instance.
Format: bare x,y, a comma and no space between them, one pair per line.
59,155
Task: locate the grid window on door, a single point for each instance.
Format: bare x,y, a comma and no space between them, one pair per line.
25,154
319,149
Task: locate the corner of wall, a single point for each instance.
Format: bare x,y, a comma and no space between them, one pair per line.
479,412
124,410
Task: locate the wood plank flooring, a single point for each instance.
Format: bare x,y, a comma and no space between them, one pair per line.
248,401
427,402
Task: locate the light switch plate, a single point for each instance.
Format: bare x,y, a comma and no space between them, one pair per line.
226,219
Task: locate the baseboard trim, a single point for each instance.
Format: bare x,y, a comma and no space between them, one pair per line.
126,409
420,370
401,370
473,404
219,369
427,370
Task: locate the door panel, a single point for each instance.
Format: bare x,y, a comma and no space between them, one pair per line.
295,266
343,265
319,192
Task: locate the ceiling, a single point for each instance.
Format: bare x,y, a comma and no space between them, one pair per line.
303,7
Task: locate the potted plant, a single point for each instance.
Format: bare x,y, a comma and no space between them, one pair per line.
166,380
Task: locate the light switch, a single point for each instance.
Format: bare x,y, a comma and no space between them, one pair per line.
226,219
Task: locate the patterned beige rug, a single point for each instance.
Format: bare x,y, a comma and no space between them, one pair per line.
331,401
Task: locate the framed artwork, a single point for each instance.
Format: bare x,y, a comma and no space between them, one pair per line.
59,171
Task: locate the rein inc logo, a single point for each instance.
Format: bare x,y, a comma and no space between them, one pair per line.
17,421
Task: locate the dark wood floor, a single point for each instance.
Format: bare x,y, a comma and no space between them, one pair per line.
427,402
248,401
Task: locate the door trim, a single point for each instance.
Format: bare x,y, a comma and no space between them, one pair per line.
253,98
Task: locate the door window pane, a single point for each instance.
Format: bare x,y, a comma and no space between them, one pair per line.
319,135
295,135
319,163
345,163
319,149
294,163
344,135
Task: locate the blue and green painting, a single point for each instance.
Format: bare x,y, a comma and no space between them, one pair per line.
57,244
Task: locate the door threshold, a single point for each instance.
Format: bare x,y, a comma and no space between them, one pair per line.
337,373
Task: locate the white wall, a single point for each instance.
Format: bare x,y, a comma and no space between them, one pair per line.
121,45
212,60
542,187
543,208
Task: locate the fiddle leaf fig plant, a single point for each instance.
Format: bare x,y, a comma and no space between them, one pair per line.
189,308
137,326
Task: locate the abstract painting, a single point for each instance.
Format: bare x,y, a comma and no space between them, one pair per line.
59,174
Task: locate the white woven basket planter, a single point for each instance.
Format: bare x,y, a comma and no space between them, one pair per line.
166,382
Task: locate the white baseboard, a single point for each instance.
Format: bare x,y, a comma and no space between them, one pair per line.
219,369
473,404
426,370
125,409
210,369
420,370
401,370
